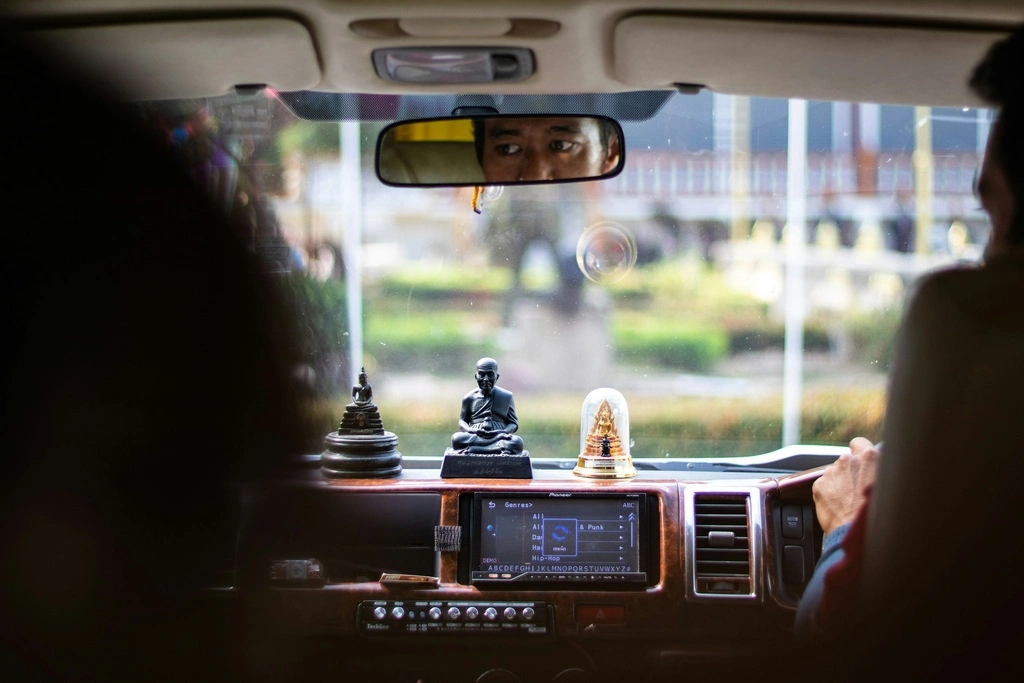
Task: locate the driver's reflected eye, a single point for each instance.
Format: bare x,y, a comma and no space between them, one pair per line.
561,145
507,150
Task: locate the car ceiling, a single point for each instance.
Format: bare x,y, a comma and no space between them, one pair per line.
894,51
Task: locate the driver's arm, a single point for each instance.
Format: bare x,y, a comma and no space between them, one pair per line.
841,503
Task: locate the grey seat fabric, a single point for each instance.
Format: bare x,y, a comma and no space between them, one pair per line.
944,541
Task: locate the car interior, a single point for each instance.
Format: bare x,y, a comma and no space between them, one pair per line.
284,235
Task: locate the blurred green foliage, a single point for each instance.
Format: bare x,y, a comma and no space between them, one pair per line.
459,282
320,310
668,341
440,342
443,282
763,334
873,337
689,287
309,138
676,314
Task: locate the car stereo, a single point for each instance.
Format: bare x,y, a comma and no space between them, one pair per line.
558,540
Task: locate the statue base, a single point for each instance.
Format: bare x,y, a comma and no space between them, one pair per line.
479,466
371,456
604,467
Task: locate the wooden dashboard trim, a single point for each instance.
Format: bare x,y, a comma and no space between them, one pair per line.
659,611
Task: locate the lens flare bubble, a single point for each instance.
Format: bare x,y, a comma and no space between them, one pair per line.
492,192
606,252
484,196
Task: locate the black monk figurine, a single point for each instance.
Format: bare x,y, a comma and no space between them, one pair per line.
488,419
486,445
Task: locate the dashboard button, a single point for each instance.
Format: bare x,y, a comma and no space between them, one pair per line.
793,564
379,613
792,521
528,613
587,615
490,614
472,612
434,613
454,613
398,613
510,613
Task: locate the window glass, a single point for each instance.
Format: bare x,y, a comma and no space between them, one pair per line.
685,313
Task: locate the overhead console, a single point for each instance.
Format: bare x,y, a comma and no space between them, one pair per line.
559,540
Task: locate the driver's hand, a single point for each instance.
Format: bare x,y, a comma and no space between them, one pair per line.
839,491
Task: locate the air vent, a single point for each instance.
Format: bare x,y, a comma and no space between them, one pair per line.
721,553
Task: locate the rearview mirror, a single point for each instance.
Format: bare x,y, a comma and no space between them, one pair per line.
499,150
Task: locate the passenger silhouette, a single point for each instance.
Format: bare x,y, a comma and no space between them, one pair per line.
145,372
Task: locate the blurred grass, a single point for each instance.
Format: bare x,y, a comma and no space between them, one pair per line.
678,314
873,337
439,342
674,426
430,282
671,342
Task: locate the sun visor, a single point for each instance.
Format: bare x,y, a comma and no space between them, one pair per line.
812,61
180,59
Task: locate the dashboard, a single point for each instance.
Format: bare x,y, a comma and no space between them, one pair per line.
552,578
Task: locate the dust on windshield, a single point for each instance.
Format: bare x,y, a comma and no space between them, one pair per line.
676,283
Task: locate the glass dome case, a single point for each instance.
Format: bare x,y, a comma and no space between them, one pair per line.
604,437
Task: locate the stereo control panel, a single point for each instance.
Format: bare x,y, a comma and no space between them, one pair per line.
438,617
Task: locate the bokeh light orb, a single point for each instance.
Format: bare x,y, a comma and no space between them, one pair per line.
606,252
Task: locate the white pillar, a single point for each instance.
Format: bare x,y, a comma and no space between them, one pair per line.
842,121
924,170
870,127
796,219
352,206
721,107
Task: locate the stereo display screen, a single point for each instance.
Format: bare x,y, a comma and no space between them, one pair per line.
559,538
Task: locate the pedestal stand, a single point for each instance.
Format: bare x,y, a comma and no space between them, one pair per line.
473,466
361,447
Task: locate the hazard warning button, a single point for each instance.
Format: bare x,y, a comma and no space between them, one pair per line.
600,615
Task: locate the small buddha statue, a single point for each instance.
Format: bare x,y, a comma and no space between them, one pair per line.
604,428
360,447
361,416
362,393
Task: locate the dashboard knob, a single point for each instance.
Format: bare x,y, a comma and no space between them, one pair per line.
454,613
472,612
490,614
434,613
528,613
379,613
510,613
398,613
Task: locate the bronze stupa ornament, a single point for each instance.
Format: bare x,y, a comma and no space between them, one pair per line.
361,447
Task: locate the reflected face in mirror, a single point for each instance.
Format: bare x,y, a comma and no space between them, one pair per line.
556,148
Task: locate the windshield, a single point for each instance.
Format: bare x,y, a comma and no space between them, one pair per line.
688,282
